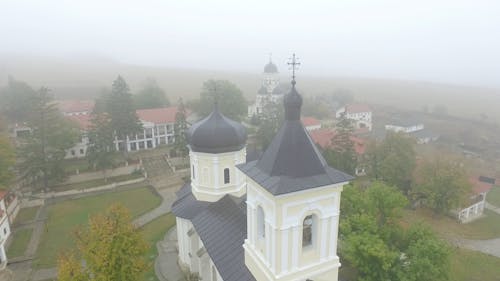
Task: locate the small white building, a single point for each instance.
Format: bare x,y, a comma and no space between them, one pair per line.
4,228
405,125
475,209
360,114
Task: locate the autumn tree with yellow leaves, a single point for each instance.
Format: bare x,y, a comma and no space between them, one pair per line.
110,248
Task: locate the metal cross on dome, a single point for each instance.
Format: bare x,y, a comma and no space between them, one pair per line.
294,65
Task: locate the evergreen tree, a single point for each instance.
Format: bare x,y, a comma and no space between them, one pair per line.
111,246
342,155
270,121
44,149
7,161
100,152
121,111
180,128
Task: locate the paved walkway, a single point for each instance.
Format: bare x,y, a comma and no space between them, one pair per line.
492,207
166,266
168,197
491,246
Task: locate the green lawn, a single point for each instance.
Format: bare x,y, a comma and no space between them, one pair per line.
65,216
474,266
26,215
154,232
487,227
96,182
493,197
20,241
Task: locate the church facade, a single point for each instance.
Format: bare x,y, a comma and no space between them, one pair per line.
274,218
270,91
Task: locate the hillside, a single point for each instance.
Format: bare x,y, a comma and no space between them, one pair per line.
85,78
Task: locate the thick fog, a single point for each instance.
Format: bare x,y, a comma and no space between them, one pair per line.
451,41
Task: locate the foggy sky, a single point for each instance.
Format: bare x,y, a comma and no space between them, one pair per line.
450,41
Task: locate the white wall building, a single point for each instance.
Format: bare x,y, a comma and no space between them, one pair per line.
404,125
360,114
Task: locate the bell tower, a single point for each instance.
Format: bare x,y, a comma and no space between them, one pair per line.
293,200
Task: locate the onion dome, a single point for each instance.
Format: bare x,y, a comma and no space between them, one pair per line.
216,134
270,68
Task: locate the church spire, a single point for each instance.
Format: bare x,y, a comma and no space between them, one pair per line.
293,101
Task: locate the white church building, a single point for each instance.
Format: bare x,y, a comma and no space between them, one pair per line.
275,218
270,91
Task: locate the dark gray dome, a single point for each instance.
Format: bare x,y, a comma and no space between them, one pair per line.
270,68
292,102
216,134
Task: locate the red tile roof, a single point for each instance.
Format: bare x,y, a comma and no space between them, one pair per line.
83,121
158,115
73,106
479,186
3,193
323,137
309,121
357,108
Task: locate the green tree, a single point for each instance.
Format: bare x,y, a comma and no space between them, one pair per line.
150,96
7,161
442,183
342,155
373,241
180,128
42,152
100,152
230,99
270,121
393,160
17,100
121,111
111,246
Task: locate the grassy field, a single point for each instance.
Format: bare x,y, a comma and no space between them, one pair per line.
484,228
19,243
474,266
64,217
154,232
26,215
493,197
96,182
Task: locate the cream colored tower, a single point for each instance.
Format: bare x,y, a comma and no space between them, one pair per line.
293,200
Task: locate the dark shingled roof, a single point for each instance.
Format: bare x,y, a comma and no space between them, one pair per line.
216,134
222,226
292,161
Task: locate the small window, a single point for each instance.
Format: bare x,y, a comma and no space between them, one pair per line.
72,152
81,151
192,172
5,231
307,229
226,176
261,225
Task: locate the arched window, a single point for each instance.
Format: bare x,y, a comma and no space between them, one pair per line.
307,231
261,225
192,172
226,176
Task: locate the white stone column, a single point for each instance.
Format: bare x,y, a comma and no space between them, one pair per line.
216,172
296,245
284,249
323,239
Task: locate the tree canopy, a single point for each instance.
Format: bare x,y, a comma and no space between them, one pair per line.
111,246
151,95
17,100
373,241
269,122
342,155
7,161
442,183
180,128
42,151
393,160
121,111
230,99
100,152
